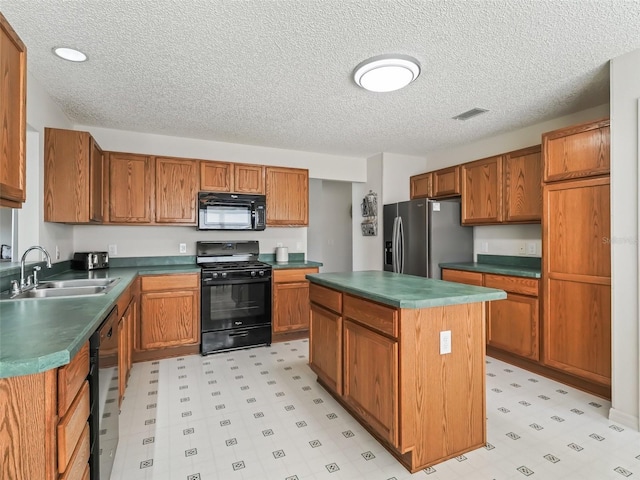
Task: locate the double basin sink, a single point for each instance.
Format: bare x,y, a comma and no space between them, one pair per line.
66,288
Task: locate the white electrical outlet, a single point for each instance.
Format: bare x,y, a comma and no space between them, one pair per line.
57,253
484,247
522,248
183,248
531,248
445,342
113,249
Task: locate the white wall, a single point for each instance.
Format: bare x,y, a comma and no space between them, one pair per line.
367,251
160,240
625,230
32,230
396,170
315,230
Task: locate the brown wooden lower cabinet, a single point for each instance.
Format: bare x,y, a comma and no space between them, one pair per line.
169,321
383,364
576,346
290,309
45,432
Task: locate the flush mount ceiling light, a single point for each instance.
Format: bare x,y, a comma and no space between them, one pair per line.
70,54
386,73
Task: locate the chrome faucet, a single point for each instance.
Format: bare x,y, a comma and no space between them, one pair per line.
24,283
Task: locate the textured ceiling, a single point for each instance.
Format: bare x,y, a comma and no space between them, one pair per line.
278,73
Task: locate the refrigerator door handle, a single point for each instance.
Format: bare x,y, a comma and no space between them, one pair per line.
394,246
401,243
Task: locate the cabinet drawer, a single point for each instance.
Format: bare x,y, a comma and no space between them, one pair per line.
292,275
525,286
170,282
70,379
378,317
462,276
326,297
80,458
71,426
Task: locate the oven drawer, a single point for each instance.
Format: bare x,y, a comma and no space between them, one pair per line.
236,338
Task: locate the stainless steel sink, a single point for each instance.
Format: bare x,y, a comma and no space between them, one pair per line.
66,288
80,282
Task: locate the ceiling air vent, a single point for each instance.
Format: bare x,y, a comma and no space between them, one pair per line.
470,114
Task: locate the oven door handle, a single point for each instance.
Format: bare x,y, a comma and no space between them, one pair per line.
211,282
244,333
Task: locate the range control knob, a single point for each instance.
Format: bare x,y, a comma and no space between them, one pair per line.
253,273
224,274
261,273
214,275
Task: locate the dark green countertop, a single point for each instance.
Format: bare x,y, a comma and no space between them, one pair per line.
405,291
40,334
500,265
294,264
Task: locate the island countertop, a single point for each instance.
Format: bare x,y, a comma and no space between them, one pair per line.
405,291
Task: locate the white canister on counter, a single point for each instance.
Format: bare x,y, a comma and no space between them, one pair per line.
282,255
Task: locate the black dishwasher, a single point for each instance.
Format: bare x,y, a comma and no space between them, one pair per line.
104,410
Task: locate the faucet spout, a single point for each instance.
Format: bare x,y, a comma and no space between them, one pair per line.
23,282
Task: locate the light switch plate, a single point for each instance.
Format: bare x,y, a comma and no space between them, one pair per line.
445,342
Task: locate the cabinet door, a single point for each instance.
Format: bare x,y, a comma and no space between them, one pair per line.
248,178
96,182
216,176
513,325
371,379
176,190
325,347
420,186
523,185
13,112
287,196
446,182
578,151
67,175
168,319
130,188
290,307
482,191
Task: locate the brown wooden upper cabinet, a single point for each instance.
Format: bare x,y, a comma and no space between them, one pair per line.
231,177
578,151
445,182
73,177
482,191
13,112
420,186
523,185
176,190
131,188
287,196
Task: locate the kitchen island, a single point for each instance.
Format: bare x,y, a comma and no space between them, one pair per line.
405,356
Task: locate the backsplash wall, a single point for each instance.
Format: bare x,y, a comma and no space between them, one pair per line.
507,240
140,241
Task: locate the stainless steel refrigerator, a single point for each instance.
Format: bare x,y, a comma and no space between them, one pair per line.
420,234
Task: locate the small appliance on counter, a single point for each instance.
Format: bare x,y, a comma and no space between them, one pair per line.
90,260
282,255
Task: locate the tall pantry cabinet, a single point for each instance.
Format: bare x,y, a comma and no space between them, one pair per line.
577,251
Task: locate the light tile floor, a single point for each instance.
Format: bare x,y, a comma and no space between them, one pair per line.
260,414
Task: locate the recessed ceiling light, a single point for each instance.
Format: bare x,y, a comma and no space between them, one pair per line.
70,54
386,73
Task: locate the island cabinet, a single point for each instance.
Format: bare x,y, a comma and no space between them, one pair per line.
384,365
45,432
74,171
290,309
231,177
169,323
13,111
287,196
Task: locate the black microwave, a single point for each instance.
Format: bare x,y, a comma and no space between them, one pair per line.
231,211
